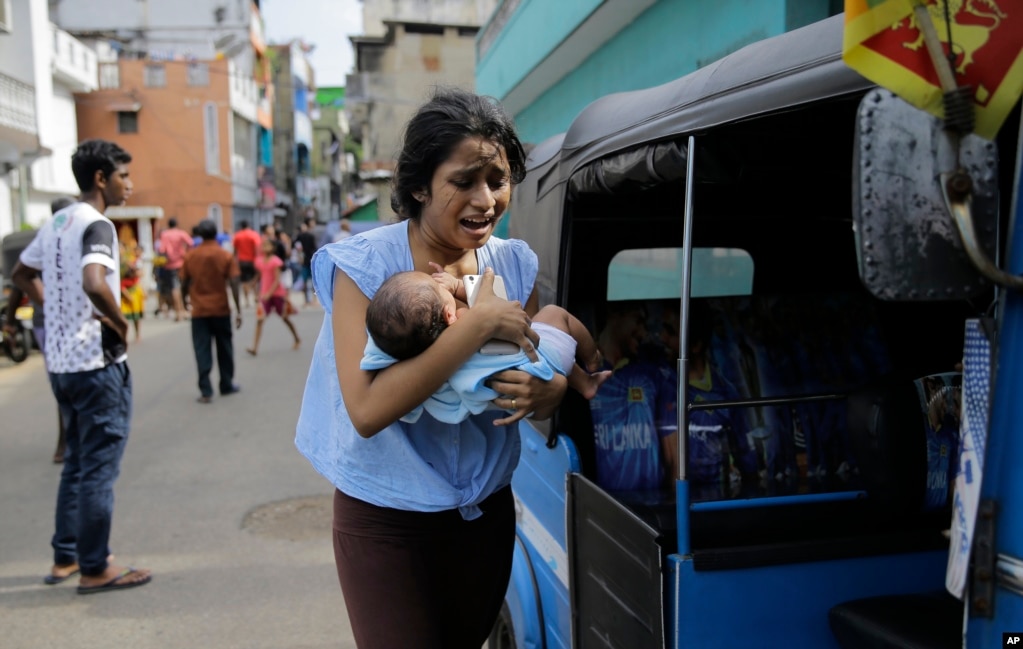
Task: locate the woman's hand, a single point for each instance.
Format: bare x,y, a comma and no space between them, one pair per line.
527,395
376,399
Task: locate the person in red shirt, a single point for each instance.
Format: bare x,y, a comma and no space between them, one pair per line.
174,243
247,244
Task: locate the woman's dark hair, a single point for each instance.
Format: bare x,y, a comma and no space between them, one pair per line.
96,155
439,125
405,317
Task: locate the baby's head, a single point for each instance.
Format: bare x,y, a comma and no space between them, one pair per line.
408,313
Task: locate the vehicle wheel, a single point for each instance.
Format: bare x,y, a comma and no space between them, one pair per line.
17,346
502,636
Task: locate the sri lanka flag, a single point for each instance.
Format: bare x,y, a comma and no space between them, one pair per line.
883,42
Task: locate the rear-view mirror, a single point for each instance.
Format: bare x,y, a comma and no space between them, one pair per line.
908,244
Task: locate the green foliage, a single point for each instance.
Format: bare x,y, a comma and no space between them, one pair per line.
273,58
355,148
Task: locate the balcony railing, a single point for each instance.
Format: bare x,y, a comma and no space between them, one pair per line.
19,135
243,93
243,171
256,31
17,105
73,63
109,75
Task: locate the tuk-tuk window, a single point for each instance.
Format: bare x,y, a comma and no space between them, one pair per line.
656,273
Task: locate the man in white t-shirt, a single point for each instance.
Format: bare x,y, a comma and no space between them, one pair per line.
76,255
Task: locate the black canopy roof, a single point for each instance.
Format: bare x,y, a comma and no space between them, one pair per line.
620,130
790,69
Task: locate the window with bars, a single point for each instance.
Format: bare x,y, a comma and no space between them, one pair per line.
211,127
127,121
215,213
198,74
109,75
155,76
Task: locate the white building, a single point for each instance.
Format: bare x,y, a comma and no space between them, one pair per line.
377,13
168,29
409,47
40,67
190,29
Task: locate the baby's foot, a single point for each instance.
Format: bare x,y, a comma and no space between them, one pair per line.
593,383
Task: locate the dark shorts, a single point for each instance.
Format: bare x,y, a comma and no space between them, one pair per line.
166,280
275,303
248,270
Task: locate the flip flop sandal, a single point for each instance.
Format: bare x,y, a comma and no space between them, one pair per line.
53,580
113,585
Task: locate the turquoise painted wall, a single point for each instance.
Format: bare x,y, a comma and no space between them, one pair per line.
531,33
672,38
669,40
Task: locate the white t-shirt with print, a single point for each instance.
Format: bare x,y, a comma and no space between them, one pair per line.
73,238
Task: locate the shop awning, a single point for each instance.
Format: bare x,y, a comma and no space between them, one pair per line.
125,212
124,106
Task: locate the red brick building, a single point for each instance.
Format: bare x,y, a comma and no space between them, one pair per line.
190,128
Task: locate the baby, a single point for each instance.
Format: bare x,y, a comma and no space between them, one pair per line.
411,309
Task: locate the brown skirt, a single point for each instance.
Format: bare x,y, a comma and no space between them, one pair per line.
423,580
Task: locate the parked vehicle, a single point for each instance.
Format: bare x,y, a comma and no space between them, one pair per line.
18,346
799,209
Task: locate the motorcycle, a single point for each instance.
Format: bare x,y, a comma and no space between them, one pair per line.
17,346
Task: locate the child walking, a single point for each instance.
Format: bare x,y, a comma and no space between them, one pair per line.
133,297
272,294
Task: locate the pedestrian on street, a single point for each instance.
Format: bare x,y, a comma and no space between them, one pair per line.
247,245
424,520
344,230
306,242
282,250
11,325
174,243
207,272
164,285
133,296
76,253
273,296
281,245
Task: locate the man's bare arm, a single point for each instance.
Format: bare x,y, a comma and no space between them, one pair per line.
26,279
94,284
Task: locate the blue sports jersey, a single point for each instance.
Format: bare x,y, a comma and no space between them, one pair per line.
942,451
712,433
629,420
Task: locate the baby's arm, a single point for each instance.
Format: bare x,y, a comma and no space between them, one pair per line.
376,399
449,281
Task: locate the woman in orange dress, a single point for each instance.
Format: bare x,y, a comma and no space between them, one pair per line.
133,297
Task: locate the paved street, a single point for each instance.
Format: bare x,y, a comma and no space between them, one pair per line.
215,499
